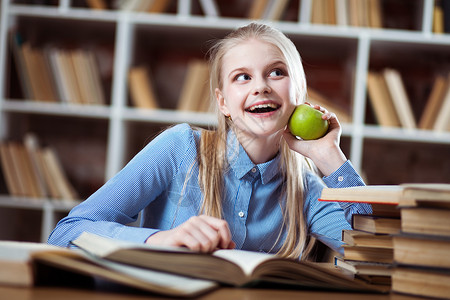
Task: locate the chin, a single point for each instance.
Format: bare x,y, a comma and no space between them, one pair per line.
263,129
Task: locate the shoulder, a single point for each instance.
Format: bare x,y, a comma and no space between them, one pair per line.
178,136
174,143
180,130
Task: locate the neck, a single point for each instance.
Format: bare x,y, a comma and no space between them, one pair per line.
260,149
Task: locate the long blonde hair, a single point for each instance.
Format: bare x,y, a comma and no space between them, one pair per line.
212,148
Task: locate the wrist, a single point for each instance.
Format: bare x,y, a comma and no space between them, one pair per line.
152,239
330,160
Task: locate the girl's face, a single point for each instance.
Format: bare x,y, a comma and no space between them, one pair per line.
255,88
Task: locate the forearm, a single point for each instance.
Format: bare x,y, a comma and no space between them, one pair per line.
329,160
65,233
73,225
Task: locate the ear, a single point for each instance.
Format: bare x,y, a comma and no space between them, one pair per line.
221,102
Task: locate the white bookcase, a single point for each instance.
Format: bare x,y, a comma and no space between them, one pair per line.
94,142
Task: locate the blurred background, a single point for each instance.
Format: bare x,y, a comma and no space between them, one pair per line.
85,84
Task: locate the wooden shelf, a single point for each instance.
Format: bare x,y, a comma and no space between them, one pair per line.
49,209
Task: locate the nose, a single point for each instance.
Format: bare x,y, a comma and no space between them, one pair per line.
261,87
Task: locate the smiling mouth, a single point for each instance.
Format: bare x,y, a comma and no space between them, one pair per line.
263,108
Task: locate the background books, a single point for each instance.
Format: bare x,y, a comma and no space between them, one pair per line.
392,107
441,16
315,97
56,74
33,171
195,95
360,13
142,92
257,9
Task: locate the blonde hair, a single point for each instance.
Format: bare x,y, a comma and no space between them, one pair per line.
212,148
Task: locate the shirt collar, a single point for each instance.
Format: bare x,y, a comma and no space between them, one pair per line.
241,164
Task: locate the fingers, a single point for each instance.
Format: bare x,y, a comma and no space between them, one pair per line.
199,233
207,233
222,230
330,116
289,137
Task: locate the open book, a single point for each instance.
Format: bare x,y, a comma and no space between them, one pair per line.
27,264
230,267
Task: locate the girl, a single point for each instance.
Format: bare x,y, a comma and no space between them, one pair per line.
248,184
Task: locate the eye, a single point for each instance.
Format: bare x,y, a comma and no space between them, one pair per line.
242,77
276,73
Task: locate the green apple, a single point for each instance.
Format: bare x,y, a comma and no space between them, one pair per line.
306,122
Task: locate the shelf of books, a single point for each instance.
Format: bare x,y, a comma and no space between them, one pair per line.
97,80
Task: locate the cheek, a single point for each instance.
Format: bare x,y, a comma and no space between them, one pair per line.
297,95
286,91
235,97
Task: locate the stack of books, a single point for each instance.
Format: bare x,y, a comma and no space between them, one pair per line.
421,251
368,256
368,248
418,234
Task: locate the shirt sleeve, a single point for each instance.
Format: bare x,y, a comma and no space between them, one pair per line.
346,176
326,220
119,201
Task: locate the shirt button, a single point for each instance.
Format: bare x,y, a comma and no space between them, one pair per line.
340,178
253,170
241,214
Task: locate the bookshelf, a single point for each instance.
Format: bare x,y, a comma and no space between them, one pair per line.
95,141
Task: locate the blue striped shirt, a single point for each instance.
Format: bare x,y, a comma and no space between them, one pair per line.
153,181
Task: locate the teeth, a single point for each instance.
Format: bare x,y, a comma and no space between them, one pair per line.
267,105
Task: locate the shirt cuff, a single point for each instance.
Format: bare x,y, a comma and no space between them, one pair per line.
344,176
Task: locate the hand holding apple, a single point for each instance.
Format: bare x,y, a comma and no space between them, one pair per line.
306,122
324,151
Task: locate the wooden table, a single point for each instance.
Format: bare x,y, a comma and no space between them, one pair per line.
121,293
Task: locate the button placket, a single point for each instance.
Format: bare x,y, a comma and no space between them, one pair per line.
242,203
240,212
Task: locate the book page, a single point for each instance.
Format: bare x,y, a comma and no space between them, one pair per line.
102,246
149,280
183,284
247,260
176,260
